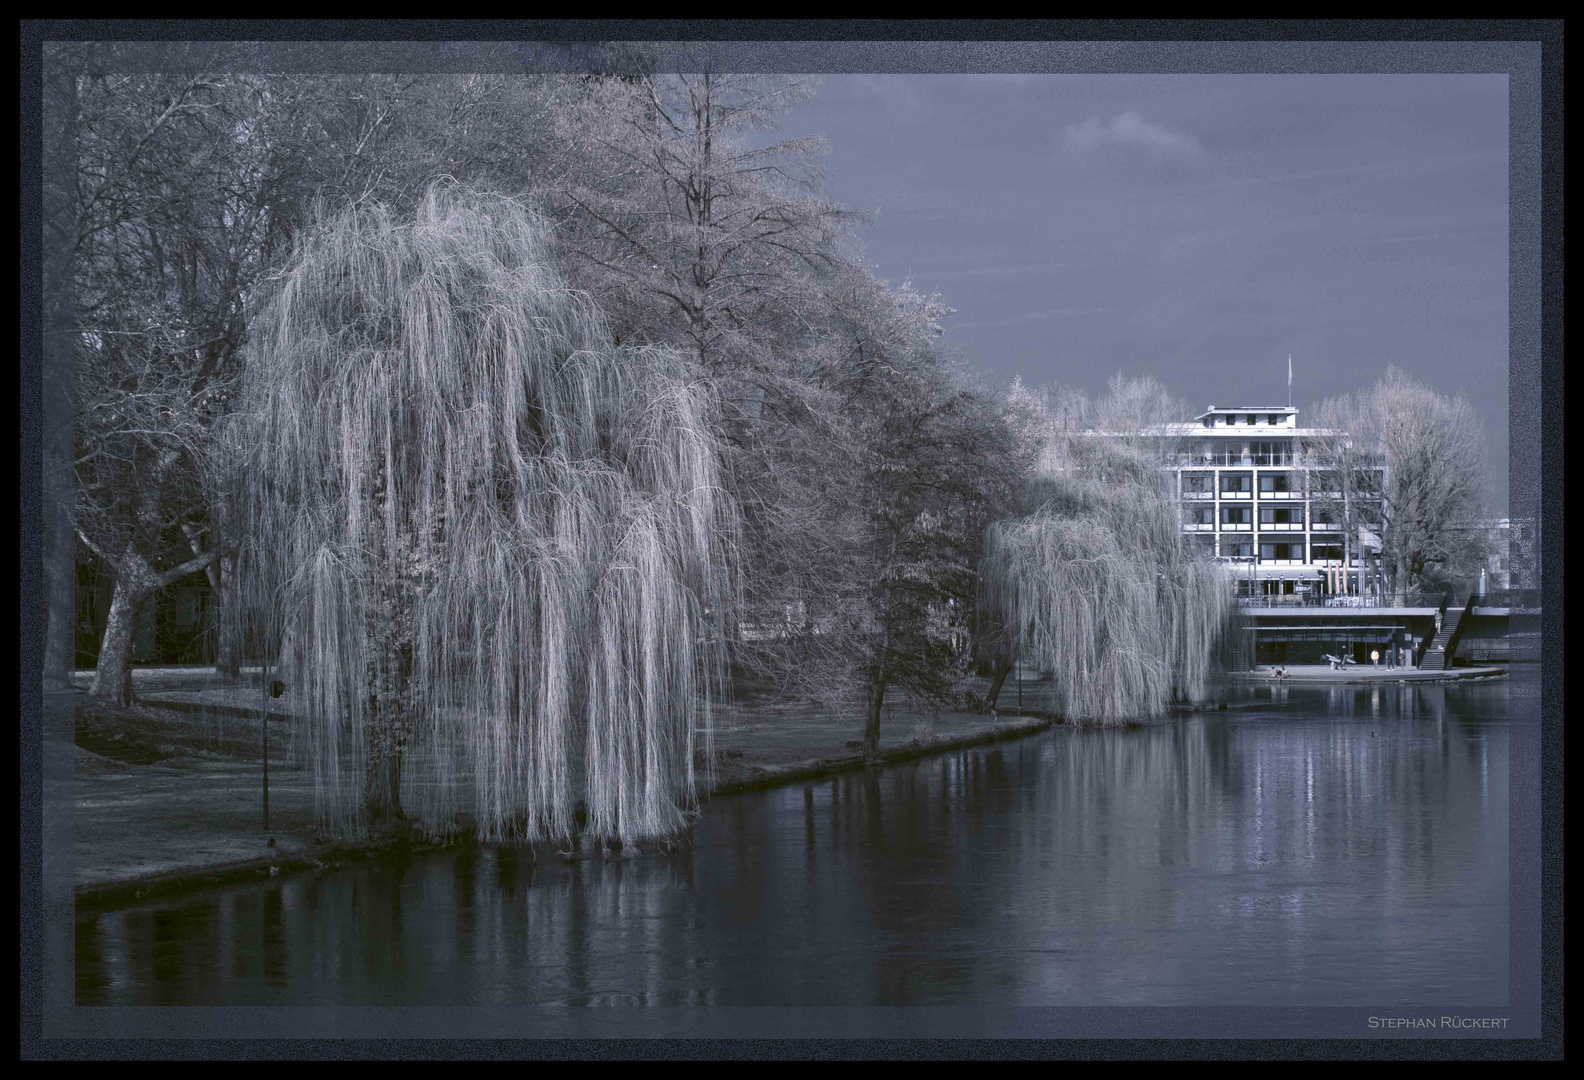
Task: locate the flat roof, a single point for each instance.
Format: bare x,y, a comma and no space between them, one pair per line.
1231,432
1284,410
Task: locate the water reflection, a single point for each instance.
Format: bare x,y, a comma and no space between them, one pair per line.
1328,846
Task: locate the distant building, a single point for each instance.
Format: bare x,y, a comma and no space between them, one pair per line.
1251,497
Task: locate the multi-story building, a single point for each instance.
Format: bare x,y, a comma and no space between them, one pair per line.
1253,493
1261,492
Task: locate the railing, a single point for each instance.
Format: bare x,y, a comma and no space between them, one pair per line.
1312,600
1280,601
1451,645
1477,650
1508,598
1424,642
1295,460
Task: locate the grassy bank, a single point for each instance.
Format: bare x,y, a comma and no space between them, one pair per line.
168,792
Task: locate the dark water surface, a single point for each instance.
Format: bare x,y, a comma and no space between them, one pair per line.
1327,846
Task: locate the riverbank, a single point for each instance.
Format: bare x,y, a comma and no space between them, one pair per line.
1360,674
168,793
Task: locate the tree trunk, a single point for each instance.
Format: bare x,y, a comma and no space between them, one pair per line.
135,582
1399,580
383,797
227,630
228,634
1002,669
112,681
871,747
228,656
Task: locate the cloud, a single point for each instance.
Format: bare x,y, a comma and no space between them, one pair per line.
1130,130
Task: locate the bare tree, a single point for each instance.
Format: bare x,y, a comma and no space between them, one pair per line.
178,201
932,463
696,234
1415,462
1344,474
695,229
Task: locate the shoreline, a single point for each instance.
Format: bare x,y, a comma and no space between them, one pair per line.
199,796
758,777
300,848
1363,675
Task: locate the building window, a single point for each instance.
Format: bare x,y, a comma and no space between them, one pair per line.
1234,482
1237,549
1280,551
1275,483
1201,515
1323,548
1281,515
1271,453
1198,483
1237,515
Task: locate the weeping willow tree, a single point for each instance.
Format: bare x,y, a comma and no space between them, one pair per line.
1097,584
494,545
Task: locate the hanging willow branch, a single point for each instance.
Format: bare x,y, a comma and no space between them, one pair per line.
1098,587
496,544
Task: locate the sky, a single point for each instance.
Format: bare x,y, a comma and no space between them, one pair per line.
1195,228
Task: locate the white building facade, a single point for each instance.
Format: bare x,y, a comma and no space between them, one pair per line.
1251,496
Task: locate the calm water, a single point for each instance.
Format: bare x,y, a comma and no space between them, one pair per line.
1341,846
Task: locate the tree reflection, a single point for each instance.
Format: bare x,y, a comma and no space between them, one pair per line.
1346,846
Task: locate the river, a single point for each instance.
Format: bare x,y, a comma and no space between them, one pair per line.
1306,847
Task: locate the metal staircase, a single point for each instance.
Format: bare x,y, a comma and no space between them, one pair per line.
1442,649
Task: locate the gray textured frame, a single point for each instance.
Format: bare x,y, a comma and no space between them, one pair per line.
1520,61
